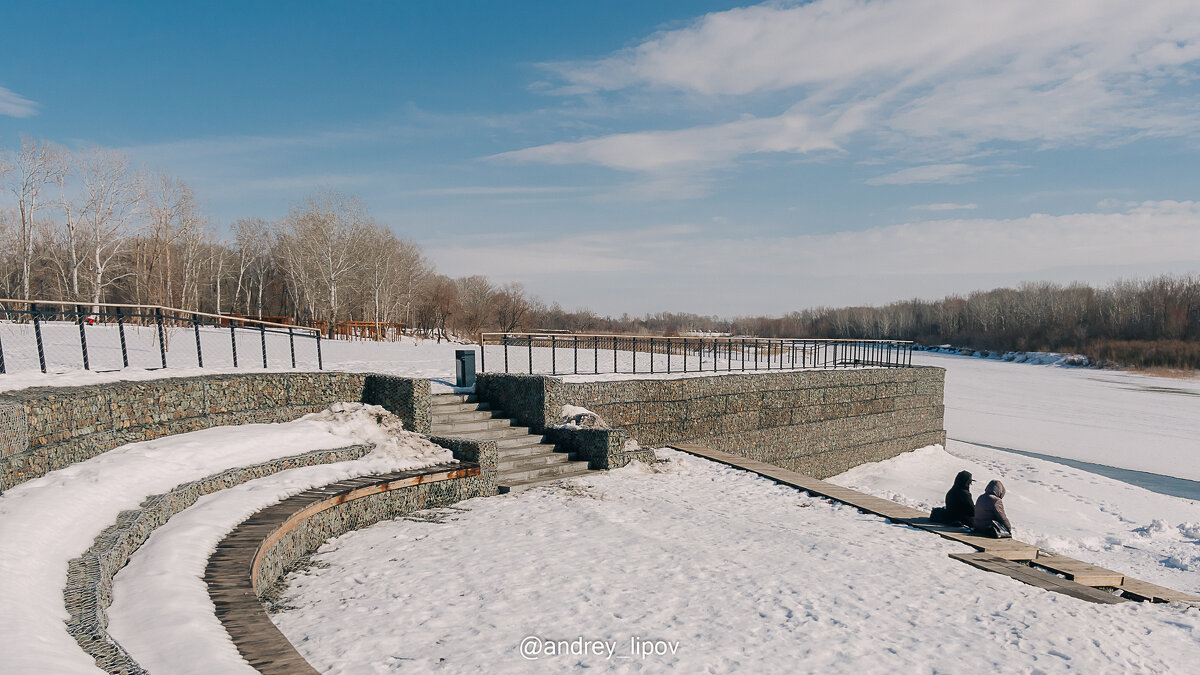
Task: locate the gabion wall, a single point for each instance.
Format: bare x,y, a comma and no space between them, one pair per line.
817,422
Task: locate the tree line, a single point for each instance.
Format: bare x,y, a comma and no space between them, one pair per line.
87,226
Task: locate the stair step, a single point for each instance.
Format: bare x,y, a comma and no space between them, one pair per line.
522,462
549,470
486,424
532,448
440,417
449,396
448,408
522,485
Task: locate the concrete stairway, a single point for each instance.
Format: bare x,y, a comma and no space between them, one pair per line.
526,459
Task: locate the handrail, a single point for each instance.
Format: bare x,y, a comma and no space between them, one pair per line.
221,317
539,352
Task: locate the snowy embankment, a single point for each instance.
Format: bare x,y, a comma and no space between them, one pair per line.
715,569
46,522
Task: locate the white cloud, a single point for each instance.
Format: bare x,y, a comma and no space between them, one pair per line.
13,104
940,76
930,173
945,206
672,269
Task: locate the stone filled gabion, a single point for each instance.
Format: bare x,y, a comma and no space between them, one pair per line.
820,423
48,428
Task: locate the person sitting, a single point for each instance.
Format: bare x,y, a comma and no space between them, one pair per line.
960,507
990,519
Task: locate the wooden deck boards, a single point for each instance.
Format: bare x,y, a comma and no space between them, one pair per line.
1003,556
1037,578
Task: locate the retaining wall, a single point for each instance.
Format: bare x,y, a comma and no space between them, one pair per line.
47,428
820,423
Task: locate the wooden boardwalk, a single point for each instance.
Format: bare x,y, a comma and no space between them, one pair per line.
1017,559
233,567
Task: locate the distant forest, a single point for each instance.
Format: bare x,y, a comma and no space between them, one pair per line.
87,226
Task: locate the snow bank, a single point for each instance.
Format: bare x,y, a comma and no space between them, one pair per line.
47,521
574,417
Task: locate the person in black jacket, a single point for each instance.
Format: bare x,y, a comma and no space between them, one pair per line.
960,507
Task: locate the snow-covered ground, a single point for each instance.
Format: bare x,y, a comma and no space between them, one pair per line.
715,570
46,522
1116,418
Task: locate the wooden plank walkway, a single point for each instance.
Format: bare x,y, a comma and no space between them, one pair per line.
1010,557
233,566
1038,578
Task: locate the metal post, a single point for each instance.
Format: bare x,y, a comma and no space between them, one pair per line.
685,355
482,351
668,355
652,355
162,338
262,336
553,355
614,345
530,354
291,345
233,341
82,336
504,341
37,335
196,327
596,354
121,333
320,366
2,369
635,355
575,349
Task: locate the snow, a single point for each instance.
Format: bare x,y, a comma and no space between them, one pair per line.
732,571
84,498
577,417
411,357
1116,418
1106,522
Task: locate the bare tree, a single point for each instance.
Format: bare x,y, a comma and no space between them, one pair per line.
113,194
36,165
511,306
475,302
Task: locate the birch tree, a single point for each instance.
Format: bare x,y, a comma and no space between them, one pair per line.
35,166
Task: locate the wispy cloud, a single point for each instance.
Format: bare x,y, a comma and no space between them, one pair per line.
930,173
945,206
933,78
611,270
13,104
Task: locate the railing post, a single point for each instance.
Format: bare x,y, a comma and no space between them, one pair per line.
530,354
82,336
291,346
162,337
614,346
504,341
482,353
2,369
233,341
575,349
37,335
635,355
262,336
652,355
320,366
596,354
553,355
121,333
668,355
196,328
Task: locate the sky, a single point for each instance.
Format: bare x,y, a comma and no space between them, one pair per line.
698,156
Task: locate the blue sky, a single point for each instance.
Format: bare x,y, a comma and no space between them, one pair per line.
662,156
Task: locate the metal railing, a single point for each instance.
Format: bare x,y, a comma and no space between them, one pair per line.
39,313
596,354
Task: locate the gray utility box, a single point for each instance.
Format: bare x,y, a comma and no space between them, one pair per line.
464,367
